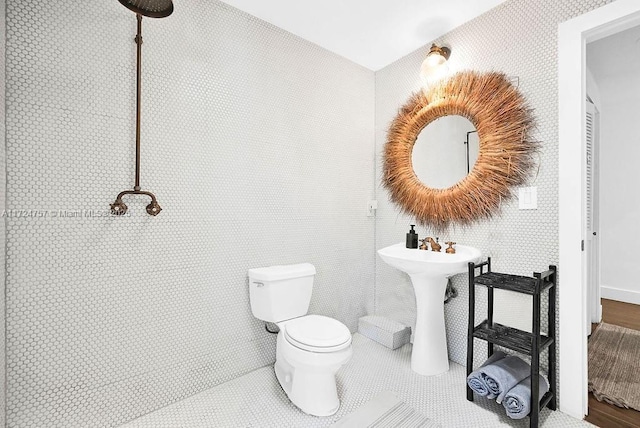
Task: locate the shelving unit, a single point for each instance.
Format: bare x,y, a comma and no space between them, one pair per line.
531,344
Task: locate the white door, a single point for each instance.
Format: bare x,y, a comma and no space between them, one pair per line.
592,241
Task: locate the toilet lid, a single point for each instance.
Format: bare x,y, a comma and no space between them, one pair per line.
317,333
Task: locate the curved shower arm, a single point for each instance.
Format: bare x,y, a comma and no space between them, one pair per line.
136,192
120,208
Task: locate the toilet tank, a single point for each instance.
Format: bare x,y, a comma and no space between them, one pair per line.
279,293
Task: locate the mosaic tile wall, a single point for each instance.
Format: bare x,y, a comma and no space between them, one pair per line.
3,182
260,149
518,38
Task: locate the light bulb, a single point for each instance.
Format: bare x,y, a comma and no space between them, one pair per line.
434,67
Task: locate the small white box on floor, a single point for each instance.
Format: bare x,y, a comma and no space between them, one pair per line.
389,333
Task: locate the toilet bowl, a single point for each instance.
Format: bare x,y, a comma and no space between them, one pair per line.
310,349
309,352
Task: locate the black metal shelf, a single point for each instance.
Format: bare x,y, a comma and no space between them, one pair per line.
531,344
546,399
519,284
509,337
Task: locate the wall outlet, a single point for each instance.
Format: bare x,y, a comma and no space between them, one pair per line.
372,206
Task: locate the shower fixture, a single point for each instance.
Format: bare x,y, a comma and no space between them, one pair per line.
152,9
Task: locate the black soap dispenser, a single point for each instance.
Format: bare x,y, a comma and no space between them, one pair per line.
412,238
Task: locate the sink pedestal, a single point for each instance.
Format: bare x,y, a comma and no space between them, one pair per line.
429,272
429,355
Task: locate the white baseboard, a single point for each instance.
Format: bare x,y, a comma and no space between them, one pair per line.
619,294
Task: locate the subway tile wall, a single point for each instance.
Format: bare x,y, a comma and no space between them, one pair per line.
260,149
518,38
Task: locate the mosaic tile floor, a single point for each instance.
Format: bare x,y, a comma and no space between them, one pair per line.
256,399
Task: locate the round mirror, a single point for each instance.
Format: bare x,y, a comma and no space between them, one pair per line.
445,151
504,158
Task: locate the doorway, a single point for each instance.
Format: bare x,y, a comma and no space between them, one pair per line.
573,36
613,83
613,92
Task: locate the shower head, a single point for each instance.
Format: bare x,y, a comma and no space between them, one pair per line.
150,8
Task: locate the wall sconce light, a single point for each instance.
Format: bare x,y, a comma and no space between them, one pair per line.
434,67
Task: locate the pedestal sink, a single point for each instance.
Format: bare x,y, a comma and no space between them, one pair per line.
429,272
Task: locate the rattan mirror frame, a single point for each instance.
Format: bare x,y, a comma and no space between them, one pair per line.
504,123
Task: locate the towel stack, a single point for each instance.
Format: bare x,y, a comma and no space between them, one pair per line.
507,379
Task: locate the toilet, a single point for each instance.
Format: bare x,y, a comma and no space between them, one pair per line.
309,348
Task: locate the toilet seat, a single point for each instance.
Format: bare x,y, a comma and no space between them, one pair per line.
317,333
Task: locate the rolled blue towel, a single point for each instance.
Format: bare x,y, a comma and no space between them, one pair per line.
503,375
517,402
475,380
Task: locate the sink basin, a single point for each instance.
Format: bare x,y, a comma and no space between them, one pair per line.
429,272
430,263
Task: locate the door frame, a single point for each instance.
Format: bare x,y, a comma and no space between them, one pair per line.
594,295
573,35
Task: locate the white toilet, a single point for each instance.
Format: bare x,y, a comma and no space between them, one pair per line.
310,348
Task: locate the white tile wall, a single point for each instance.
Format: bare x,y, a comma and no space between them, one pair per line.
518,38
259,147
3,183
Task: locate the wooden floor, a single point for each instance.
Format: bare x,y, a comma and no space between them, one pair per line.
606,415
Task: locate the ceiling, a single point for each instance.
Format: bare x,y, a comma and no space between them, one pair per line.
372,33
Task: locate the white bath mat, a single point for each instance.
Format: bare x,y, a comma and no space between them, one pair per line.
385,411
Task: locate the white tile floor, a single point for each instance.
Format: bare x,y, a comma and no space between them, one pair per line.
256,399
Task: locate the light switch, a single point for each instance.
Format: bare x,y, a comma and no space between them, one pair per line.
528,198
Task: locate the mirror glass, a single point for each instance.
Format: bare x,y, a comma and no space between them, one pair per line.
445,151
